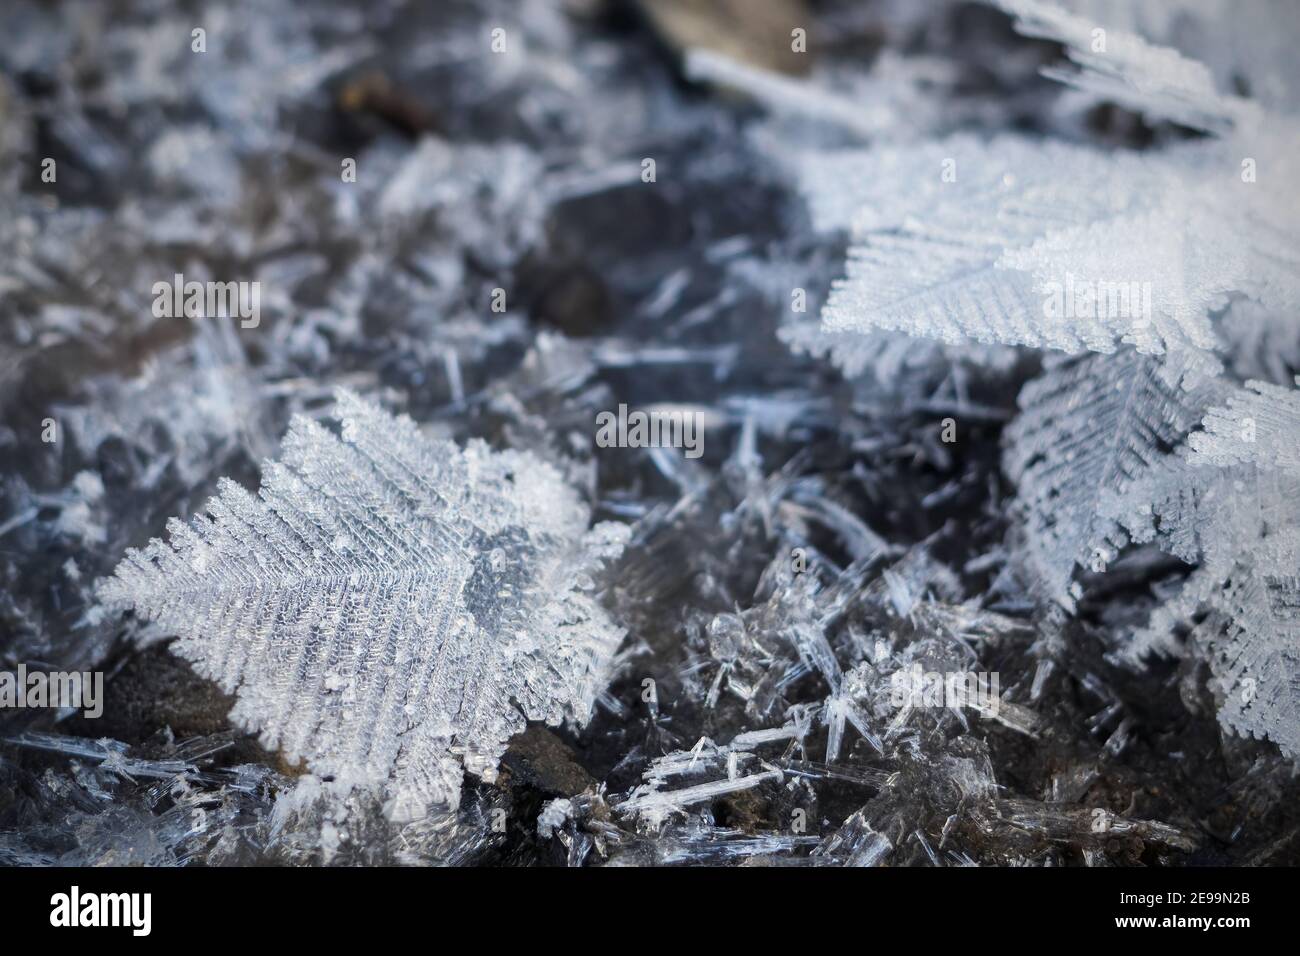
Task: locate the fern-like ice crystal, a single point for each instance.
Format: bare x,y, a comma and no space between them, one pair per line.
388,608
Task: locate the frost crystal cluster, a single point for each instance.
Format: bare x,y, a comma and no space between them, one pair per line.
387,606
986,317
1164,260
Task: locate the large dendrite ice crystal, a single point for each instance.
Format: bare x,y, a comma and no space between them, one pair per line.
388,608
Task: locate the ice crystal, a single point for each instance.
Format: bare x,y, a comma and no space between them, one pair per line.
1245,42
188,410
124,809
741,768
1227,502
1244,532
388,606
1256,660
1121,67
1059,246
1022,241
1086,428
1260,424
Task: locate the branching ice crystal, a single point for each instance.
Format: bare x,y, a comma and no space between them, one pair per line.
1228,501
1087,428
388,607
1119,66
1020,241
1058,246
1260,424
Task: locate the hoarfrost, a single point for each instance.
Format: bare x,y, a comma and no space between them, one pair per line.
387,606
1091,427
